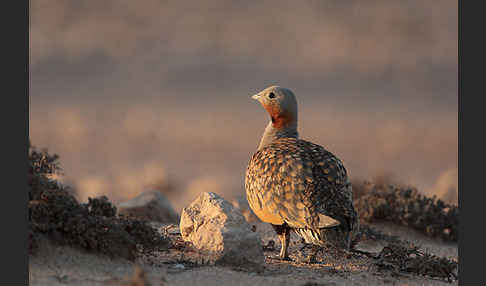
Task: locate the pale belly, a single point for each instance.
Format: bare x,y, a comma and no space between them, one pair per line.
265,214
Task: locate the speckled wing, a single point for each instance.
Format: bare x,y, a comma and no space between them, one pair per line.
300,183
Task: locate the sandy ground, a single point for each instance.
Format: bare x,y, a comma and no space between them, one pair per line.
54,265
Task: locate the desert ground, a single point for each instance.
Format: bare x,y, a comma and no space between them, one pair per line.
63,265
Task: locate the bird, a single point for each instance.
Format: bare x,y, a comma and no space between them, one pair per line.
295,185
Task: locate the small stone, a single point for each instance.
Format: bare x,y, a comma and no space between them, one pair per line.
150,205
370,246
220,232
179,266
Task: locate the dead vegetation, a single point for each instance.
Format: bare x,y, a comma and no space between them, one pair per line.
406,206
401,256
383,201
94,226
367,232
397,257
406,257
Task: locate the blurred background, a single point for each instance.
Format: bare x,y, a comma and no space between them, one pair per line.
135,95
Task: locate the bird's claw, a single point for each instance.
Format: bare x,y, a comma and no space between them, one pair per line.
286,258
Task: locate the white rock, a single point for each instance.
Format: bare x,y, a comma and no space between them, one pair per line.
221,232
150,205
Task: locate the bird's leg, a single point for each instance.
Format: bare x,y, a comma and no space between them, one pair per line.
283,232
285,239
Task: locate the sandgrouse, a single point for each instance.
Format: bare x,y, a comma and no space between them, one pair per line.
296,185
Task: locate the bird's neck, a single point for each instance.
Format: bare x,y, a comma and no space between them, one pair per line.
273,133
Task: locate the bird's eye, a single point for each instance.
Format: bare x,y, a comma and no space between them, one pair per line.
271,95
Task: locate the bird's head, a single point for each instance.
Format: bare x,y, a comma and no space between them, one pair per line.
280,104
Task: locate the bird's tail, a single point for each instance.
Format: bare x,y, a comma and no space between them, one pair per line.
310,235
336,236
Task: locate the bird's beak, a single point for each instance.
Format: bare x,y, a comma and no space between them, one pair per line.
256,97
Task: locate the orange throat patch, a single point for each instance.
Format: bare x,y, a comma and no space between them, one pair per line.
279,119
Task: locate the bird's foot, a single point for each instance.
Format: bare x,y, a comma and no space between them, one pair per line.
280,258
286,258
